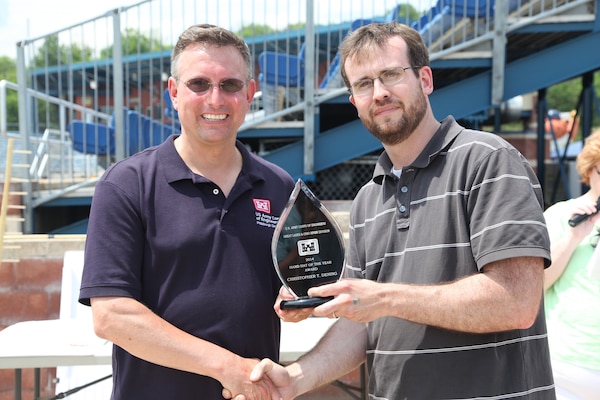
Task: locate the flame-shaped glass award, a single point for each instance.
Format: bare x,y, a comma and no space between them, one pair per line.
307,247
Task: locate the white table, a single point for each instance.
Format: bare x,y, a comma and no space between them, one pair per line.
52,343
49,344
69,342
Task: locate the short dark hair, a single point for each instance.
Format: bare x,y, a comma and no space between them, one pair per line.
209,35
359,44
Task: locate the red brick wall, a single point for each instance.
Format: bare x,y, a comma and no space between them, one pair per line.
29,290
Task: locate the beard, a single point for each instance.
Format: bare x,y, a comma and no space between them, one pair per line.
390,131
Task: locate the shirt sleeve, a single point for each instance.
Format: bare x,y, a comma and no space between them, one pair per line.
505,208
114,245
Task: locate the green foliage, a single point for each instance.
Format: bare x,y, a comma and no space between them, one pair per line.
8,71
54,53
255,30
295,27
565,95
134,42
408,13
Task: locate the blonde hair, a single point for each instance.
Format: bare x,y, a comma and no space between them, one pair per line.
589,156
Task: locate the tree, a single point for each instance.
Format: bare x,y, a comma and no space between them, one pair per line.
564,96
8,71
133,42
53,53
255,30
408,13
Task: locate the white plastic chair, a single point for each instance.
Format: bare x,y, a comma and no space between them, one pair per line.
70,378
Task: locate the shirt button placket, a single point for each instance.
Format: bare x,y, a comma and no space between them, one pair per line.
403,201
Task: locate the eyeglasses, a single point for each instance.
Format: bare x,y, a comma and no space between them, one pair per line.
594,238
201,85
389,78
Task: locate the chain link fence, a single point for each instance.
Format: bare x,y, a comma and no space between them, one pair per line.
343,181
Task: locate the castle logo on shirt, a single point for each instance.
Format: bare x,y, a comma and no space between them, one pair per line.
262,205
263,213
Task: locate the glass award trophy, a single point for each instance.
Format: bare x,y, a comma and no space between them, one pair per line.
307,248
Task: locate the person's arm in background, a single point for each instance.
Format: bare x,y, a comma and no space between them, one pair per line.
563,246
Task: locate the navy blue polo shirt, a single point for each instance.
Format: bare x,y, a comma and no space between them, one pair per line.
170,239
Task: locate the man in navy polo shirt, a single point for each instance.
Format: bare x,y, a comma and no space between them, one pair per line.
178,268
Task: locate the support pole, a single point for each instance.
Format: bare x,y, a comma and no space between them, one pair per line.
541,138
309,91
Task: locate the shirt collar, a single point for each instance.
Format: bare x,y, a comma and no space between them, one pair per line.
175,168
449,129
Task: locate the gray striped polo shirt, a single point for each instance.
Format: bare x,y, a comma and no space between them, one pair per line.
469,199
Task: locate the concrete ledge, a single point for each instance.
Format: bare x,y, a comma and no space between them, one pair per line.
17,247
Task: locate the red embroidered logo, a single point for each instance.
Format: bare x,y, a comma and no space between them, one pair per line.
262,205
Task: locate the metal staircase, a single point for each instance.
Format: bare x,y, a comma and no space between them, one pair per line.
481,57
466,80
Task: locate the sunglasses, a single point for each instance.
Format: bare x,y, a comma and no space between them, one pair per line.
203,85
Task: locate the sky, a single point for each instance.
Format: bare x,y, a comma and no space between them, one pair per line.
30,19
21,19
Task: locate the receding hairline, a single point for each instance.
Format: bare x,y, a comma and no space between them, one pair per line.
210,36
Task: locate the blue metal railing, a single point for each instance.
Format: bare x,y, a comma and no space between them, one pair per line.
77,96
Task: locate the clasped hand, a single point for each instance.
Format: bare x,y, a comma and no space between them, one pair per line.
354,299
277,377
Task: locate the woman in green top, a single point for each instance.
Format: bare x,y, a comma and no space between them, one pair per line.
572,285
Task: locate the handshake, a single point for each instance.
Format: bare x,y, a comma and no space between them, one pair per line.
341,350
268,381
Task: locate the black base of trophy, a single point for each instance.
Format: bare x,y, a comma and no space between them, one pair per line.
304,302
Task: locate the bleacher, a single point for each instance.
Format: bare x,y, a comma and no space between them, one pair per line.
99,139
483,53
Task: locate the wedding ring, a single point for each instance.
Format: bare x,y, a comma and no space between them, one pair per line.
355,300
333,313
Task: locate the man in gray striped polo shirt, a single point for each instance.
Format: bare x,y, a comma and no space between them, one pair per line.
447,251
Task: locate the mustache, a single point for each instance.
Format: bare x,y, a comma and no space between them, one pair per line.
382,103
